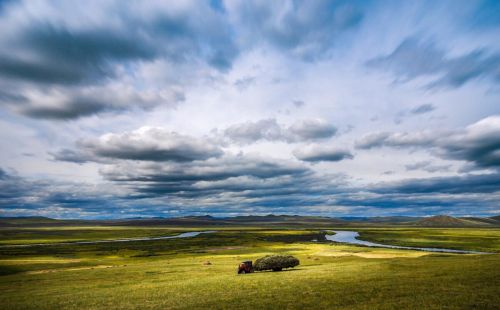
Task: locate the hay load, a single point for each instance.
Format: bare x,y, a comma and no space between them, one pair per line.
275,262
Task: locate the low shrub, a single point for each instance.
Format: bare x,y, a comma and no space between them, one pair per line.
276,262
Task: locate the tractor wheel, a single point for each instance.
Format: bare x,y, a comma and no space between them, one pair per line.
243,272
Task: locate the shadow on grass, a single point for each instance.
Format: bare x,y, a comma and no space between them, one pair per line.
8,270
270,271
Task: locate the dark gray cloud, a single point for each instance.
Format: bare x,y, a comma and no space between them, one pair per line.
151,189
66,62
478,143
53,49
6,96
381,139
307,29
21,196
266,185
266,129
427,166
65,56
228,185
209,170
424,108
471,183
319,153
298,103
412,58
415,58
77,107
310,129
146,144
270,130
70,103
16,191
74,156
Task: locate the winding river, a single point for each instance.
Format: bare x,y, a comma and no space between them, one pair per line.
351,237
342,236
182,235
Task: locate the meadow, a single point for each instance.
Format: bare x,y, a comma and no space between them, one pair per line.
200,272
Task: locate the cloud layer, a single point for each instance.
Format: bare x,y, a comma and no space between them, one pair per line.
270,130
146,144
76,63
414,58
338,108
478,143
318,153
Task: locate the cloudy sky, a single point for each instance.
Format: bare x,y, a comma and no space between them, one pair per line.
113,109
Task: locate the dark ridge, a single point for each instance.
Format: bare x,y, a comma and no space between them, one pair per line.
383,219
482,220
496,218
442,221
276,220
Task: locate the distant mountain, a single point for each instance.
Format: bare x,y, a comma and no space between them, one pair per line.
260,220
383,219
271,218
443,221
496,218
26,220
38,221
482,220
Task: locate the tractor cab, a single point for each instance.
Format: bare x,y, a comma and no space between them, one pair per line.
245,267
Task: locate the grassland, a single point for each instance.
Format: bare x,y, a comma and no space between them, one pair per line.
174,274
477,239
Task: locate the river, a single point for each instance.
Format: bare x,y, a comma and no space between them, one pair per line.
351,237
182,235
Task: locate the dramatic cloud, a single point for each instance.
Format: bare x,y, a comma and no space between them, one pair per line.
478,143
69,46
24,197
307,29
146,143
415,58
270,130
229,182
70,62
209,170
485,183
63,104
248,107
317,153
311,129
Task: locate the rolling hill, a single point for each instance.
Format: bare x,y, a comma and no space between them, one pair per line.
448,221
275,220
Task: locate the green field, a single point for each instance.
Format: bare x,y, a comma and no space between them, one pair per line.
175,274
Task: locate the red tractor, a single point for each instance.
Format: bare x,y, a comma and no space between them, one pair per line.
245,267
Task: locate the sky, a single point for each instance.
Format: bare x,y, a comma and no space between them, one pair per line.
118,109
